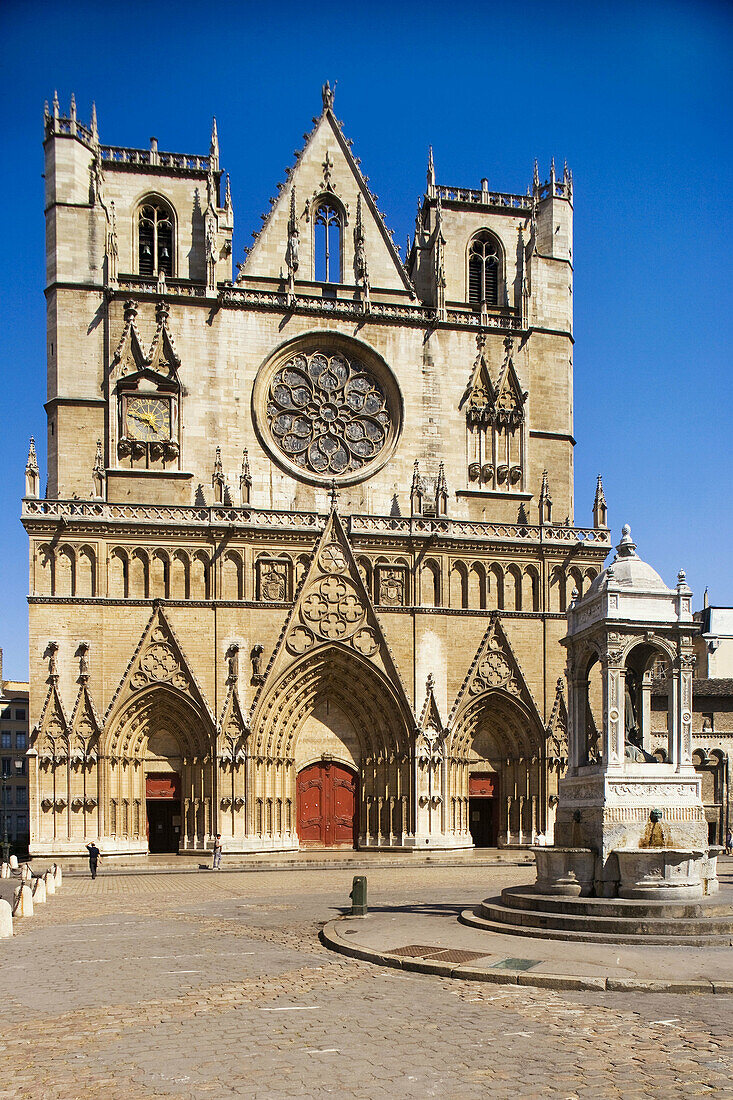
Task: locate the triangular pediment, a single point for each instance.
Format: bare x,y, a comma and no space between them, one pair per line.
332,608
480,389
85,724
129,358
233,727
430,721
557,727
495,668
159,660
163,358
50,735
509,398
326,167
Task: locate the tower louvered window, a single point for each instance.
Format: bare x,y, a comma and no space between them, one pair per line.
327,243
155,239
483,270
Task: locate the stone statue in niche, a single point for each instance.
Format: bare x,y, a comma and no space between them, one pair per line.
232,656
256,658
633,747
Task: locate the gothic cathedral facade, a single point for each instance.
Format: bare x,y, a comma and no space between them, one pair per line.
301,567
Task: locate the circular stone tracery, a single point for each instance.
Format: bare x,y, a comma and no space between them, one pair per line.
328,414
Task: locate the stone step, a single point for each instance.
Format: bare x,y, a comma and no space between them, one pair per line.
472,919
526,897
494,910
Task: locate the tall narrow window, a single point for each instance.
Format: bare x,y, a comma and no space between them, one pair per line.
483,270
155,239
328,244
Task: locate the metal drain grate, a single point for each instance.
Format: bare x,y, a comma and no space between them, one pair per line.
414,950
453,955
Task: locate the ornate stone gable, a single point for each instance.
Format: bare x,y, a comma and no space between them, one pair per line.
85,725
494,668
500,404
430,721
326,166
332,607
163,358
158,660
557,728
233,729
50,736
129,358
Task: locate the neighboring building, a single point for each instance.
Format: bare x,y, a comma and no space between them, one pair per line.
13,761
302,565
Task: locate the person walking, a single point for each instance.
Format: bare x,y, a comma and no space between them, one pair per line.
728,841
217,853
94,854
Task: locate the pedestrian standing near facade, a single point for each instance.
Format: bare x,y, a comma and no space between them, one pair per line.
94,854
217,853
728,841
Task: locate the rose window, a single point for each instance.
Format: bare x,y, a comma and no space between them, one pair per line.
328,413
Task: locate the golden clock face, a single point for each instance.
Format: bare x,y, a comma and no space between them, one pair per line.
148,418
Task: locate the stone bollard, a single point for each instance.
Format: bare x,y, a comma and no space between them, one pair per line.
57,876
39,891
6,919
50,883
23,901
4,870
358,896
13,863
25,872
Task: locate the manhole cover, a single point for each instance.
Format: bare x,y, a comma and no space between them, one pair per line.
453,955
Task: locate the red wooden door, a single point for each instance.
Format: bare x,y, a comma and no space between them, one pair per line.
327,805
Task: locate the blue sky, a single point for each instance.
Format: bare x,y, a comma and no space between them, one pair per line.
636,96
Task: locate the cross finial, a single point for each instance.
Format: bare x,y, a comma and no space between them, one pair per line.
333,496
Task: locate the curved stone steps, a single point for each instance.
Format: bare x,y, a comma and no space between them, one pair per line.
643,927
527,898
473,919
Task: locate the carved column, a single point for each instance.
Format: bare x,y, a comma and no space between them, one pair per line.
613,710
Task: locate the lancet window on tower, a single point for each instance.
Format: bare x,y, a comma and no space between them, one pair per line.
155,238
484,263
327,243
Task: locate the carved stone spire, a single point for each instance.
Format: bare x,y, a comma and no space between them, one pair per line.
93,125
536,176
334,497
600,510
417,492
228,197
441,493
98,473
431,174
214,147
361,268
245,480
111,250
72,112
440,280
32,475
293,247
217,478
55,109
545,501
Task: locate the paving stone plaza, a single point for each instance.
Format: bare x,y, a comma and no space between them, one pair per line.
200,984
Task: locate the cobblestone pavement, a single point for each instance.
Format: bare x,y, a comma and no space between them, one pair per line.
217,986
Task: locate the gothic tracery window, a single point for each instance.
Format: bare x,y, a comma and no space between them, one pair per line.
155,238
483,270
327,231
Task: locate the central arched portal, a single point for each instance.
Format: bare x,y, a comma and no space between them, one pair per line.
163,793
328,805
327,758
